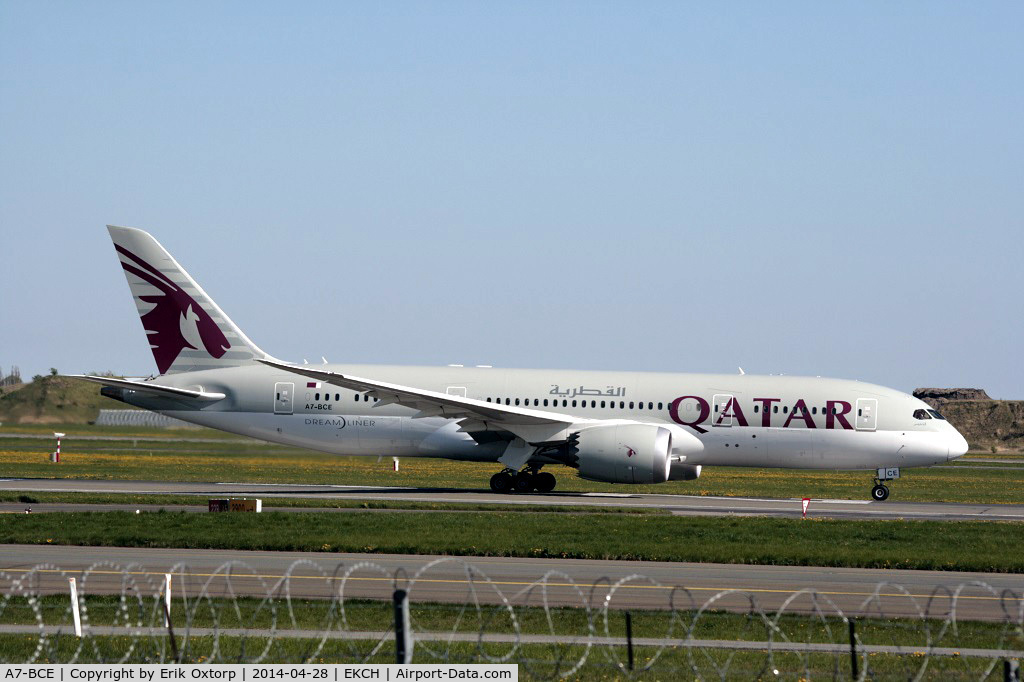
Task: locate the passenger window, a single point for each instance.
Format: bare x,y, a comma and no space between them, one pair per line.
814,410
631,404
508,401
650,406
921,414
602,404
785,409
545,402
565,403
640,406
860,413
279,396
755,408
318,396
935,413
517,401
622,404
775,409
574,403
660,406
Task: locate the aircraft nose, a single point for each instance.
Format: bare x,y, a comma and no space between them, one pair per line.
957,445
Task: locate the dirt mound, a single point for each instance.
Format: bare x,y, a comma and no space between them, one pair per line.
988,425
942,394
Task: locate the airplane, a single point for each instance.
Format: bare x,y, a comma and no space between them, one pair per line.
614,427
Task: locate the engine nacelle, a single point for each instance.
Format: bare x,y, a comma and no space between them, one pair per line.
625,453
684,472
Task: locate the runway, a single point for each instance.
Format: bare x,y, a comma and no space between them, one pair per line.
685,505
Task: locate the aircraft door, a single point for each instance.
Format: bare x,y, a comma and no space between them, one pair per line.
284,393
867,414
722,410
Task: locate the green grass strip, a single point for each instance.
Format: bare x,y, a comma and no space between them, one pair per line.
30,497
926,545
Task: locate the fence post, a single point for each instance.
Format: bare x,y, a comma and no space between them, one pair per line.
167,598
166,604
73,585
403,633
629,638
853,649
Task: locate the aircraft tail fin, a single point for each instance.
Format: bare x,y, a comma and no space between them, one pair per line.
187,331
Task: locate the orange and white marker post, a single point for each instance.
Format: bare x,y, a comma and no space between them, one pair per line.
804,502
396,463
55,457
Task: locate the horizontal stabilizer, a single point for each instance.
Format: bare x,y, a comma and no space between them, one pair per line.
153,389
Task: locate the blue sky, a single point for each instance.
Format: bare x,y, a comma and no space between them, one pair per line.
808,188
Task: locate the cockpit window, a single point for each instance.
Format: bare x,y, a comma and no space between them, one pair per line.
921,414
935,413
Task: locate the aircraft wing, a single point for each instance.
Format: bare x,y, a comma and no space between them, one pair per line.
152,389
531,425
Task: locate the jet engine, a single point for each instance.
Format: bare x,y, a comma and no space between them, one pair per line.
625,453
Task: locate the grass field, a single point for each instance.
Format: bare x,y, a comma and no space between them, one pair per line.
535,661
502,531
929,545
233,459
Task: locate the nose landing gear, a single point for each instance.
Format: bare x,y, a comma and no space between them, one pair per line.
880,492
525,481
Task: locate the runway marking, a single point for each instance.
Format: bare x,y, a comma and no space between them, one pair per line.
512,583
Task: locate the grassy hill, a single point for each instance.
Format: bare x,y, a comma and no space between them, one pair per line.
54,400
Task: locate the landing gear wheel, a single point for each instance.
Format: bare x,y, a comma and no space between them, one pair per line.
880,493
544,482
523,483
501,482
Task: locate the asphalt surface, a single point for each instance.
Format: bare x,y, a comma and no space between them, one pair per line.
493,579
677,504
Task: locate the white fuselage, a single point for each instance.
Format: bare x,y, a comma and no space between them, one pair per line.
742,420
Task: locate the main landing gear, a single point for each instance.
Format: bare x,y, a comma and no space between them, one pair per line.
526,481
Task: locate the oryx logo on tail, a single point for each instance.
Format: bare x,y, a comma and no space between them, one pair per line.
176,321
